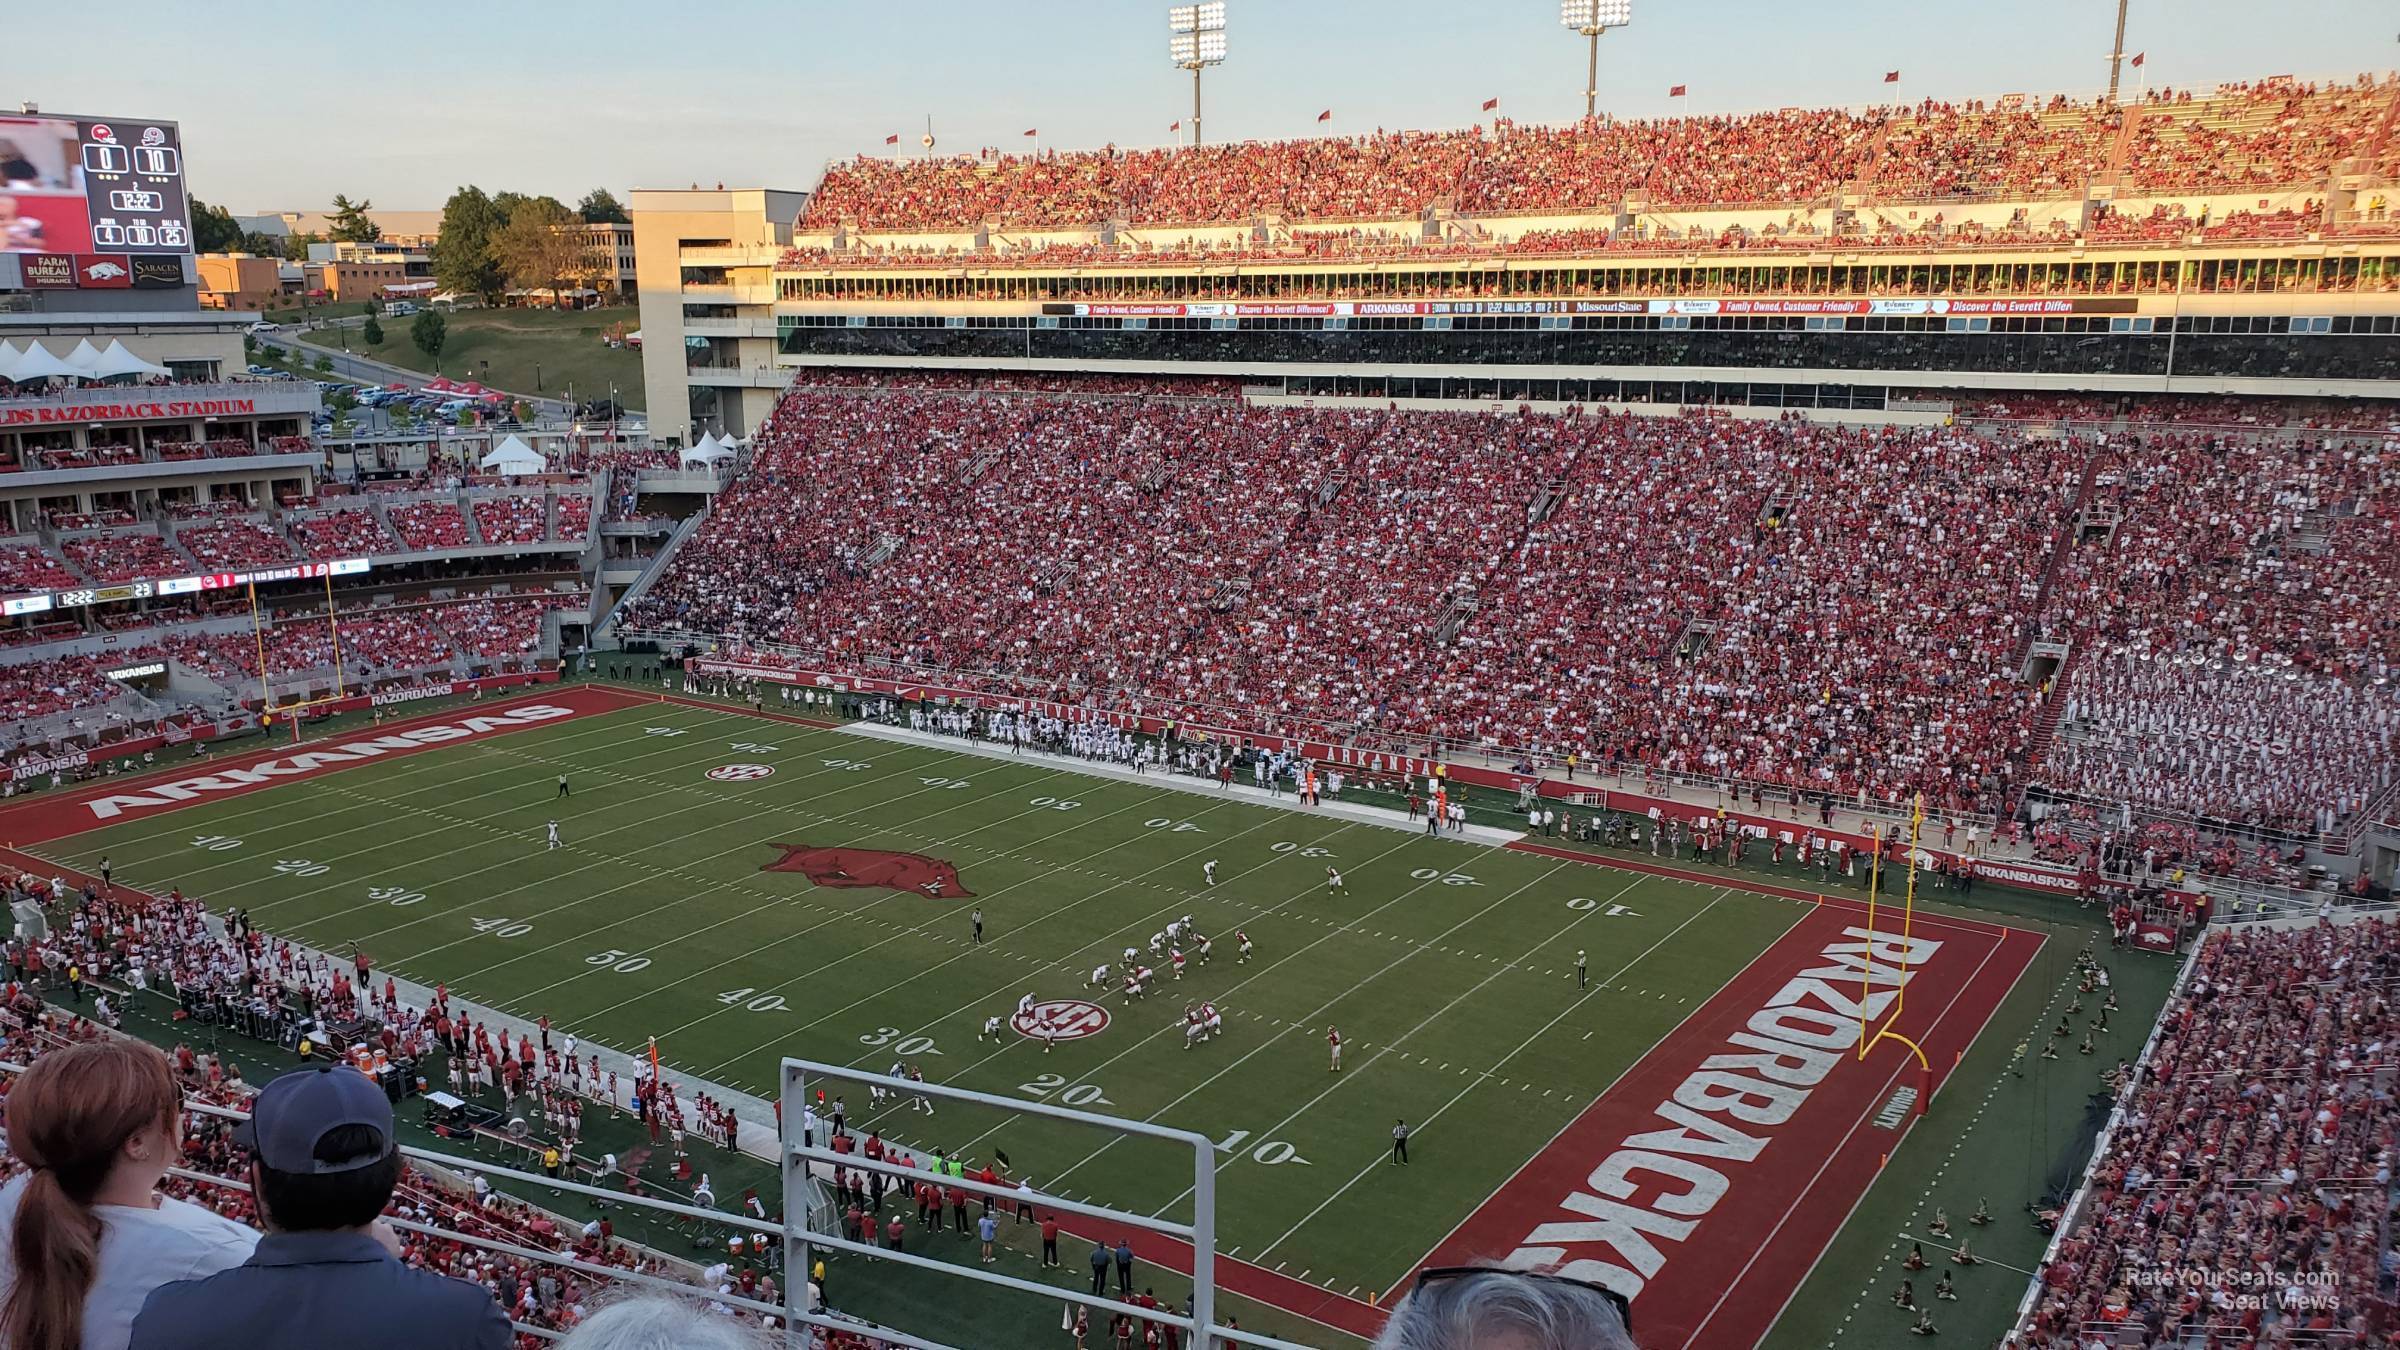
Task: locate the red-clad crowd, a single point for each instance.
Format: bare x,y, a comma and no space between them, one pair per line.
518,518
425,526
503,625
346,532
367,642
144,945
30,567
62,684
2253,1157
134,554
2236,628
1838,610
235,543
2264,134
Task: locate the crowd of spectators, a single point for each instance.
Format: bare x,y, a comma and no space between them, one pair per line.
2244,137
120,943
517,518
61,684
2253,1156
2240,622
1769,609
574,517
30,567
131,554
235,543
369,644
345,532
425,526
503,626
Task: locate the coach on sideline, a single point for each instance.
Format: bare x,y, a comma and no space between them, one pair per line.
1471,1307
323,1165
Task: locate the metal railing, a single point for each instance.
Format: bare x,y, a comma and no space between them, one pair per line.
1200,1328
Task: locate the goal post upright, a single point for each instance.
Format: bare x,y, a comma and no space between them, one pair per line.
797,1080
268,707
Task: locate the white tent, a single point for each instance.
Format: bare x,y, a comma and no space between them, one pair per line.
85,355
118,361
36,363
513,456
709,451
8,358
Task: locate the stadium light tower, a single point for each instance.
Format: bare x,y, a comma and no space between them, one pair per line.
1196,41
1592,18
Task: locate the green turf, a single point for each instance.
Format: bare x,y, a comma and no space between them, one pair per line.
1456,998
1447,964
565,344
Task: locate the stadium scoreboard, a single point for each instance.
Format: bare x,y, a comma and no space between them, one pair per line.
85,596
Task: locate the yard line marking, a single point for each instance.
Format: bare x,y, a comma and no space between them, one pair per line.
1307,889
1145,800
451,911
1321,1008
1630,1066
721,888
189,874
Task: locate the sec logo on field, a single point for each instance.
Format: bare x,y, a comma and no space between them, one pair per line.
740,773
1067,1019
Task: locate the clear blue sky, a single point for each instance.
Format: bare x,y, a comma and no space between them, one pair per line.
284,104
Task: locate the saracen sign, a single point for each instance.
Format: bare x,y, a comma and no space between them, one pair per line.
138,411
265,773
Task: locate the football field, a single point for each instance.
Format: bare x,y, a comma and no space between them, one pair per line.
1689,1114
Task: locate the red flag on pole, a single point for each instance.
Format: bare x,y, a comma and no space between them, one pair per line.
893,139
1675,91
2137,57
1325,116
1176,125
1488,104
1033,131
1891,77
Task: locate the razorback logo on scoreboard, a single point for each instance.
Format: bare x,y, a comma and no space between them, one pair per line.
871,868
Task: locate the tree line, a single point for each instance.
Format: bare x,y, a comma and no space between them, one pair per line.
489,242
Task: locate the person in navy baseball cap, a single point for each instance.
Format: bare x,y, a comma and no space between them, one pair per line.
324,1161
298,1114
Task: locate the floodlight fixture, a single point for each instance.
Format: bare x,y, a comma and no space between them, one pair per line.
1196,41
1591,18
1586,15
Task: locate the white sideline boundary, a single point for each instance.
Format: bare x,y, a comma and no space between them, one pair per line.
1381,816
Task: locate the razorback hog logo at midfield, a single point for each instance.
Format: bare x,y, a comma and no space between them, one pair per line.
871,867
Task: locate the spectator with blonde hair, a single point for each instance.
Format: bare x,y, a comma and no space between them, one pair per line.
87,1234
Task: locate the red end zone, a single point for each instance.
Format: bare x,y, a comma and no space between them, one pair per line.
1728,1156
55,815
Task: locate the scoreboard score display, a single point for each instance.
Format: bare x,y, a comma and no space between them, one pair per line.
91,185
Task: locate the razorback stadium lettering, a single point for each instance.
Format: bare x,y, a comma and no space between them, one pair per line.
313,761
1658,1185
111,412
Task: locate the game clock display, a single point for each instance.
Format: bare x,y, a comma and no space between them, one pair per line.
133,184
72,185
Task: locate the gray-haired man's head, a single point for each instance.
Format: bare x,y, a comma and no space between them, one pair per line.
1504,1310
